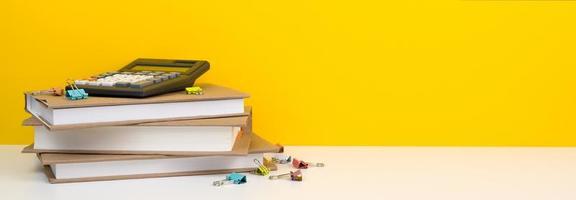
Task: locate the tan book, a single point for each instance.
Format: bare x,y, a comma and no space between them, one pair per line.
59,112
65,168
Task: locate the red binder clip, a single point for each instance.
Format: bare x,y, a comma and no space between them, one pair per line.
300,164
294,176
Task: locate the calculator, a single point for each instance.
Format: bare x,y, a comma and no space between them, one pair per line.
145,77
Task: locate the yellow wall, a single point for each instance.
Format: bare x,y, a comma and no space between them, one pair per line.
412,72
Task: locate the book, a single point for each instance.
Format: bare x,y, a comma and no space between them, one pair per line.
240,147
242,120
217,101
215,134
65,168
138,138
184,137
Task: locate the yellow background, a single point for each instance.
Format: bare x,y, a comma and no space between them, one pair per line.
410,72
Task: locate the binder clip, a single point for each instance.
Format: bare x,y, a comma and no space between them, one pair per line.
232,178
262,169
300,164
194,90
75,93
294,176
282,159
52,91
268,161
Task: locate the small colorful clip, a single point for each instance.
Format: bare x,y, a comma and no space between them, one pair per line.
52,91
268,161
232,178
74,93
282,159
262,169
295,176
300,164
194,90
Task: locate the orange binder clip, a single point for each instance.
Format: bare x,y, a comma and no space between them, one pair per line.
300,164
52,91
294,176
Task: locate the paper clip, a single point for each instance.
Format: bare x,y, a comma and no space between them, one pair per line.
300,164
295,176
232,178
282,159
52,91
75,93
194,90
262,169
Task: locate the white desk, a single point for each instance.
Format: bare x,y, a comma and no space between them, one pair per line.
350,173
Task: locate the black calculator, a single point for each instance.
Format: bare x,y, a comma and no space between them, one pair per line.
145,77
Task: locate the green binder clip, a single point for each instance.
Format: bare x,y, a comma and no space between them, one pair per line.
232,178
262,169
294,176
75,93
300,164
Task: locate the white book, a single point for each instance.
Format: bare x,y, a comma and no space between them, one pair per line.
57,110
67,167
153,166
138,139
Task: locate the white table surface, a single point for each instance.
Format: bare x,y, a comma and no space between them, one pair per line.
442,173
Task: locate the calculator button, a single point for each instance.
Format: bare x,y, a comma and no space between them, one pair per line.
107,84
122,84
165,77
157,80
93,83
81,82
141,84
174,74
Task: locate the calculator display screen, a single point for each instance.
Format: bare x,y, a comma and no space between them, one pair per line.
158,68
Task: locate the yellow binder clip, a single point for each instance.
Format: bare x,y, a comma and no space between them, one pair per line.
262,169
194,90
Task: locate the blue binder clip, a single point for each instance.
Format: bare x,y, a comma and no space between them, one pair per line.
232,178
75,93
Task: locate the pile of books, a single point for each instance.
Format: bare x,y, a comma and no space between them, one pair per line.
175,134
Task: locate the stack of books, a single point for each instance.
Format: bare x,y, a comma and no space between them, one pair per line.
175,134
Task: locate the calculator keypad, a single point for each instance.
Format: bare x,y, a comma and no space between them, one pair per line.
128,79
